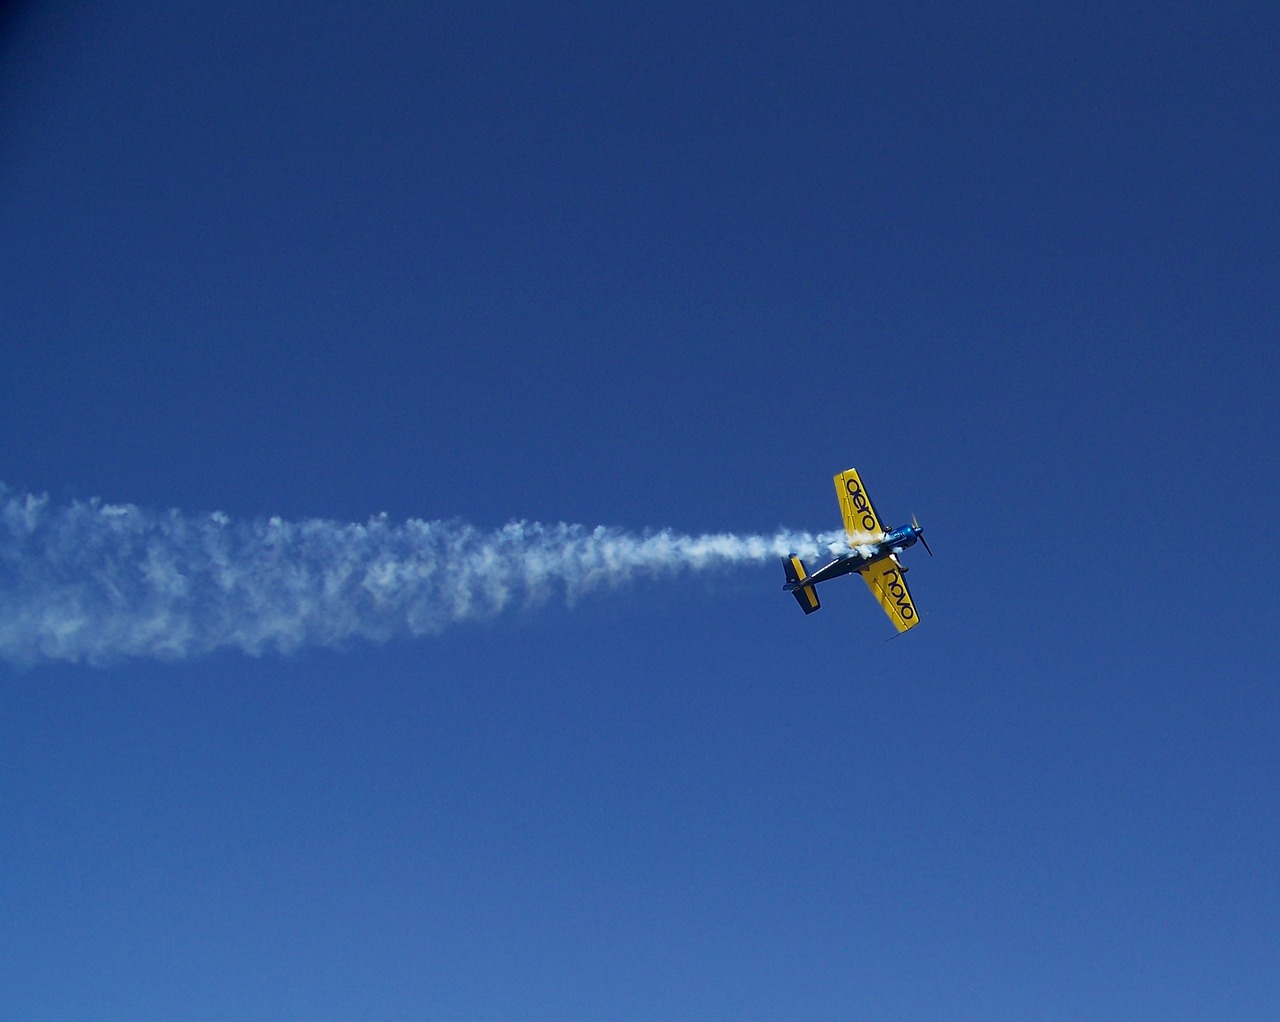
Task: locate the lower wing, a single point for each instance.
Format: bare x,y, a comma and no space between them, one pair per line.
887,582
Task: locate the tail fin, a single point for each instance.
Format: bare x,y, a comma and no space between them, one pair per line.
806,596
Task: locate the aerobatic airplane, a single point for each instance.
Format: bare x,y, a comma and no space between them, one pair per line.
873,553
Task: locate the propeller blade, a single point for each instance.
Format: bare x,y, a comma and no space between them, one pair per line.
915,524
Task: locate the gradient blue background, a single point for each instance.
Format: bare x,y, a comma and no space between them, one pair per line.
666,266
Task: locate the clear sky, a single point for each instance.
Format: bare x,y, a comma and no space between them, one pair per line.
669,266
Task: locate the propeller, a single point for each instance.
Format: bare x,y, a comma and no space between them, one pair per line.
915,524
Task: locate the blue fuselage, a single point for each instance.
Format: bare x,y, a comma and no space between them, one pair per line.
894,542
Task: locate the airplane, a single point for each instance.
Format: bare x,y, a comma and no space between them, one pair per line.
873,553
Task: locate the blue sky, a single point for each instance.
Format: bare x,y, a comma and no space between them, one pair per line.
668,267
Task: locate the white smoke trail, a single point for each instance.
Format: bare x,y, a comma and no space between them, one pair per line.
91,582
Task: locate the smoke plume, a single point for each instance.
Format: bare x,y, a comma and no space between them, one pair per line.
91,582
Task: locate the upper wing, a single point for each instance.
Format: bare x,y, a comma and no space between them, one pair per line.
860,519
888,585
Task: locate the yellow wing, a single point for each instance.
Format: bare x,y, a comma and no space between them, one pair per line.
887,582
860,519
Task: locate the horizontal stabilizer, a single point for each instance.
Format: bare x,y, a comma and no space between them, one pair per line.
806,596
